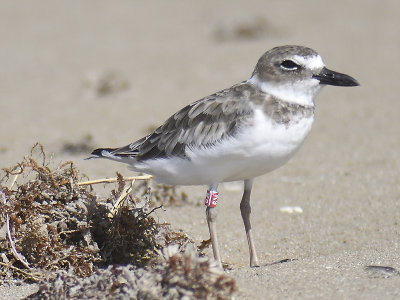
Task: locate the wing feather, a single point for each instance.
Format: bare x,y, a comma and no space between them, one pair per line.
200,124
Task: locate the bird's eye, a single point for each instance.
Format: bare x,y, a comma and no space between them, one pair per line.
289,65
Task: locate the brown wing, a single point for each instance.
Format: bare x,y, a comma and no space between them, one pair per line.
200,124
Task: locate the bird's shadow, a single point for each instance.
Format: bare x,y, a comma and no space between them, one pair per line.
286,260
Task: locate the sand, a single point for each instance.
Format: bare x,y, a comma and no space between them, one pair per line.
166,54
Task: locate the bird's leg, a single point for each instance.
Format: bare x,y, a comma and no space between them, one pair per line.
245,210
211,213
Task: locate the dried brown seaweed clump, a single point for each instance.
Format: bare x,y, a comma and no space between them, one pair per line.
128,236
50,221
174,275
126,232
192,277
55,230
45,220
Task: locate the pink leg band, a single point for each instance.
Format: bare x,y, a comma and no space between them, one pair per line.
211,198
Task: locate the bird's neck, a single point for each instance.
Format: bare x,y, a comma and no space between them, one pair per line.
299,92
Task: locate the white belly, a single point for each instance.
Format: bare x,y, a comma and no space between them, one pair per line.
253,151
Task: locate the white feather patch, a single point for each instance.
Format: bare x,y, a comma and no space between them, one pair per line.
310,62
299,92
254,151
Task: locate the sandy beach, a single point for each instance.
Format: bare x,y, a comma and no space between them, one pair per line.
104,73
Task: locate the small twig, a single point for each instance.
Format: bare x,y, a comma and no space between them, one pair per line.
14,251
13,181
120,199
110,180
30,275
41,149
68,231
154,209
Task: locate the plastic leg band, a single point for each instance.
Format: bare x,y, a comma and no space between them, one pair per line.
211,198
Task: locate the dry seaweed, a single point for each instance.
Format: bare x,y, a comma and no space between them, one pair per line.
54,229
158,194
57,224
48,218
188,275
173,275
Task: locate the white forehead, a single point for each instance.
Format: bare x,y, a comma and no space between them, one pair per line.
310,62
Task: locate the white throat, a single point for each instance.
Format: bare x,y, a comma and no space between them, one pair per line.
299,92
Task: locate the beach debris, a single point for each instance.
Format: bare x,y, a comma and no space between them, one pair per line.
14,251
172,275
291,209
204,245
188,275
56,231
48,220
157,194
115,179
57,223
381,271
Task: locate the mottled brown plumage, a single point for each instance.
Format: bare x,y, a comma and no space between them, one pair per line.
210,120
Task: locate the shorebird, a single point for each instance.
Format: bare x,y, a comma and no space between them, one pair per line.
239,133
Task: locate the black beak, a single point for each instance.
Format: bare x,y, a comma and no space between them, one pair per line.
329,77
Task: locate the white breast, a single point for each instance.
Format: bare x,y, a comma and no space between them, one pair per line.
253,151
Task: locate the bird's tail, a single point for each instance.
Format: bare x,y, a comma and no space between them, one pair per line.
123,154
104,153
